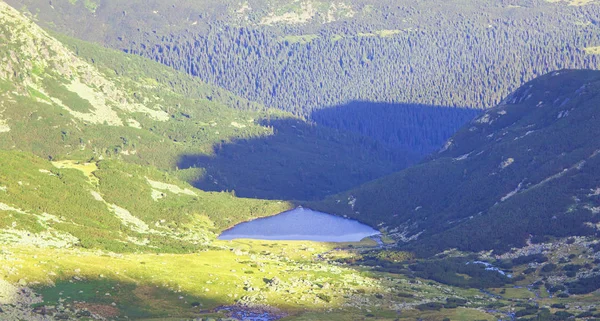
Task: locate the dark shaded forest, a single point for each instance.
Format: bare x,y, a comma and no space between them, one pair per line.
299,161
302,161
419,128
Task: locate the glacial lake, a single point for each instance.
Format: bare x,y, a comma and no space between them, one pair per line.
301,224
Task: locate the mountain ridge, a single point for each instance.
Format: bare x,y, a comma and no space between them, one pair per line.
419,53
498,171
87,102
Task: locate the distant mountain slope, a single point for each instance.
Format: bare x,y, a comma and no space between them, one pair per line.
66,99
310,55
527,169
304,55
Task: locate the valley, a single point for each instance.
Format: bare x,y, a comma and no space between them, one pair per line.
247,276
299,160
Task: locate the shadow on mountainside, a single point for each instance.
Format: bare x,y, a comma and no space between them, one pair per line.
305,161
299,161
417,128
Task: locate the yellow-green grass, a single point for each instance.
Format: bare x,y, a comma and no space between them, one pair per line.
591,298
166,285
345,314
592,50
294,250
366,34
337,37
302,39
514,293
458,314
543,292
87,169
387,32
151,284
387,240
384,33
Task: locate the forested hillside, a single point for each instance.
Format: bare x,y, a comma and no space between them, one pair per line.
78,101
311,55
412,127
526,170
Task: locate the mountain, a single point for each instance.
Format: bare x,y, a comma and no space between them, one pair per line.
98,148
72,134
527,170
96,222
313,55
69,99
99,219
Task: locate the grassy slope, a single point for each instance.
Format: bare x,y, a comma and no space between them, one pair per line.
45,199
57,106
151,286
41,70
311,284
463,197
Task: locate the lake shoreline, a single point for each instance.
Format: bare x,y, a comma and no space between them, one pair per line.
300,224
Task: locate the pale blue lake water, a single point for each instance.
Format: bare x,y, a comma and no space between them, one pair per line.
301,224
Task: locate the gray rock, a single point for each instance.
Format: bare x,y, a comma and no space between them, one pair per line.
61,316
84,313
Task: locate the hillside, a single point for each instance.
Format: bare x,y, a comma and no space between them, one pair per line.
73,100
99,219
313,55
526,170
72,134
399,48
113,206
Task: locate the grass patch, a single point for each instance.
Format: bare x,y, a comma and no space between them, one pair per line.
592,50
514,293
87,169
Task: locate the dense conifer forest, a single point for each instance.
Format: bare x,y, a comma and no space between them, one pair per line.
311,57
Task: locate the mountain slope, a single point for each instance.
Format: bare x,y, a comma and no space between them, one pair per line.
66,105
69,99
526,169
94,123
312,55
111,205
